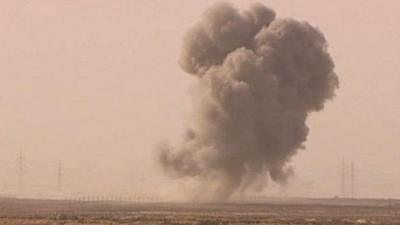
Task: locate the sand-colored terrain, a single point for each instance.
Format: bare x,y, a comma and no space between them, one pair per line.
27,212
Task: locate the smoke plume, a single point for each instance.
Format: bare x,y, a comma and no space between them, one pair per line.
257,79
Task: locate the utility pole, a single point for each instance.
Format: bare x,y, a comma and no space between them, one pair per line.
343,180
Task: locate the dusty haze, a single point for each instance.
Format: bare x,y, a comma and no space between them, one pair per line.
95,84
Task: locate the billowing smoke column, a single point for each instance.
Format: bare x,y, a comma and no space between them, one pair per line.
257,80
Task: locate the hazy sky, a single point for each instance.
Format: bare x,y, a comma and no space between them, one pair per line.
96,85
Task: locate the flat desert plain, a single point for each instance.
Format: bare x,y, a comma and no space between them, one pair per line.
41,212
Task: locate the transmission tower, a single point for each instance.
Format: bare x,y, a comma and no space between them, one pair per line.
343,180
352,180
21,172
59,176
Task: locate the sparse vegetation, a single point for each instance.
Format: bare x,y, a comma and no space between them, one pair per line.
74,213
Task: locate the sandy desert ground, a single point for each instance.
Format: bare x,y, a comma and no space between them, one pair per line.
30,212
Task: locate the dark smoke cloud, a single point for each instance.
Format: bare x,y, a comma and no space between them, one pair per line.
257,80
